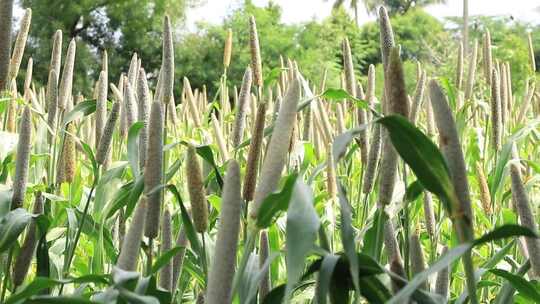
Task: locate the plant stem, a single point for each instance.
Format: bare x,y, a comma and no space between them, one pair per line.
7,275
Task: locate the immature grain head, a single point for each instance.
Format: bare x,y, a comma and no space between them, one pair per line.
451,147
52,102
22,263
228,49
488,60
525,213
459,68
165,273
443,279
264,253
485,196
496,123
144,99
276,155
178,260
197,193
23,157
221,274
167,80
56,53
66,81
6,18
418,263
101,105
106,137
373,160
350,78
532,61
153,171
394,255
472,71
386,35
256,64
129,254
255,147
241,106
20,43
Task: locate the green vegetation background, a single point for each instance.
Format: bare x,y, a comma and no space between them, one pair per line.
122,27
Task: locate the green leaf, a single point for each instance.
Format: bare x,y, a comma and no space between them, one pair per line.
165,258
81,109
275,203
11,226
206,153
374,238
340,94
414,191
524,287
421,155
40,283
133,146
505,231
325,276
301,232
59,300
454,254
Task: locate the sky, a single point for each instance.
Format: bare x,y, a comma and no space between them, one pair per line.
296,11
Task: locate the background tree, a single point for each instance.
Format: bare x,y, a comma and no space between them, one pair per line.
397,6
121,27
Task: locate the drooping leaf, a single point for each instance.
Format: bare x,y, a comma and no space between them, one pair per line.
11,226
301,232
133,146
524,287
276,203
84,108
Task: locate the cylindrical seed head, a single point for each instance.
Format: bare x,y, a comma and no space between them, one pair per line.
129,254
153,171
167,80
256,64
22,263
23,157
240,115
254,153
276,155
106,137
228,49
144,99
101,105
66,81
443,279
165,273
20,44
56,54
222,272
197,193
